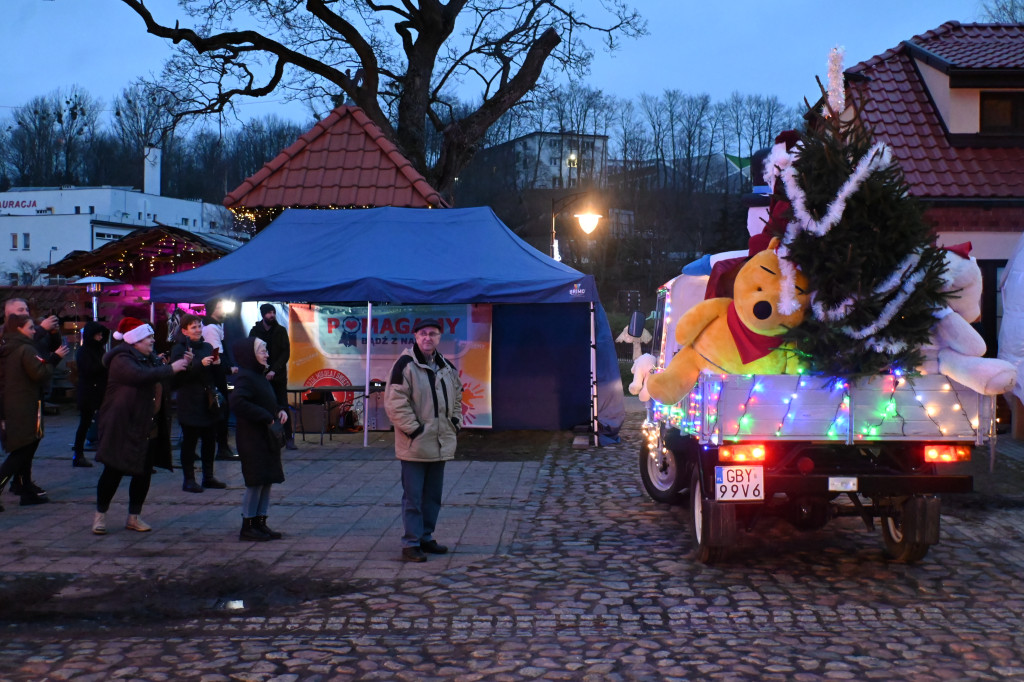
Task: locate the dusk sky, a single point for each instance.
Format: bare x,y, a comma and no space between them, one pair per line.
713,47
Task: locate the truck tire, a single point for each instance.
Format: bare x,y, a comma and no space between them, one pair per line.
662,474
701,524
900,528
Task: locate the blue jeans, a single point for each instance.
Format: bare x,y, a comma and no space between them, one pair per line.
256,501
422,483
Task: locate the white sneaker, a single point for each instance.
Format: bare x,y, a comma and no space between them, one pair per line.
135,523
99,523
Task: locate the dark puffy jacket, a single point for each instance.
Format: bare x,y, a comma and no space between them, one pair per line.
133,435
255,408
25,375
193,404
92,374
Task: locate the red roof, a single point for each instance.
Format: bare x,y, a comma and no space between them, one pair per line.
897,107
344,160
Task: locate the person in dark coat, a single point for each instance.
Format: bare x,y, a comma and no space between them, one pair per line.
92,384
256,408
134,421
276,338
25,376
47,339
198,420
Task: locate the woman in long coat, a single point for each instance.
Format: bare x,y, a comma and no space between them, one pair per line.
256,409
25,376
198,421
134,426
92,384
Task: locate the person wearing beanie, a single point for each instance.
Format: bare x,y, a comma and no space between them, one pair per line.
197,415
423,400
134,421
213,334
276,337
92,384
25,375
257,410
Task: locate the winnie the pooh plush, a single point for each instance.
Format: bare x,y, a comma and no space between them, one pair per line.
956,349
736,335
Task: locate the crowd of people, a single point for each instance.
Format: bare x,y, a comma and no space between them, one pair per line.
125,394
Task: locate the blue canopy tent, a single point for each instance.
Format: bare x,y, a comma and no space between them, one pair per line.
550,333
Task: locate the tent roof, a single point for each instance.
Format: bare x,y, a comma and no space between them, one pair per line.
344,160
395,255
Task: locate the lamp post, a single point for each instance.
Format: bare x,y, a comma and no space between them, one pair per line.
588,219
52,249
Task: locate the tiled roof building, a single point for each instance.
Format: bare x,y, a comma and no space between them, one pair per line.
950,103
343,161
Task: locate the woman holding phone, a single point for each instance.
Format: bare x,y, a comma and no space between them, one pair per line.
25,376
197,417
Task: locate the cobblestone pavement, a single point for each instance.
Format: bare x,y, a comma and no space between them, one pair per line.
593,582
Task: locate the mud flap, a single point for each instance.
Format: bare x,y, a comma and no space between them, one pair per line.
921,519
721,523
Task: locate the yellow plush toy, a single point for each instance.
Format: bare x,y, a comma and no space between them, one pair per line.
736,335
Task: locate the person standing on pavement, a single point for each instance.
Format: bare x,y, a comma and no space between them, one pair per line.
423,400
256,409
92,384
25,376
276,337
213,334
46,339
198,419
134,421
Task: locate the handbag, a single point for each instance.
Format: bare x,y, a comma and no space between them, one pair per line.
275,434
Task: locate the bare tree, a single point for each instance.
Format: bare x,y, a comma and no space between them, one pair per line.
1003,11
400,57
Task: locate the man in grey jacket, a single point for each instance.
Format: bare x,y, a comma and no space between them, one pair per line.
423,399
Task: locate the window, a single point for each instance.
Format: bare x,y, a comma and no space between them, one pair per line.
78,210
1002,113
14,241
25,245
92,209
184,222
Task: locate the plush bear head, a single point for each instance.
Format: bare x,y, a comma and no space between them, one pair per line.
962,279
758,289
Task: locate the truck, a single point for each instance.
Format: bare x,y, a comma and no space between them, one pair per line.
809,449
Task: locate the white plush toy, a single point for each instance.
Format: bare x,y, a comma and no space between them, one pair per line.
642,368
957,348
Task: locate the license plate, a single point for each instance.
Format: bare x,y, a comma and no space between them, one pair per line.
842,484
739,483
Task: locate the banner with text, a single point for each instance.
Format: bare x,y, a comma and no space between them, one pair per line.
328,348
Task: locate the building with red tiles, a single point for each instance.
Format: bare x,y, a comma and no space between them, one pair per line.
344,161
950,103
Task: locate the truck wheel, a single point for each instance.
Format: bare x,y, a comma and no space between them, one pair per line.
700,524
661,474
895,537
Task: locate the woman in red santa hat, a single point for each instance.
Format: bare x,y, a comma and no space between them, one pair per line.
134,430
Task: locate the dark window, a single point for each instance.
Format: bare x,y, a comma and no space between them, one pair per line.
78,209
1002,113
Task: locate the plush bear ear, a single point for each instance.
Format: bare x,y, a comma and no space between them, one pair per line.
773,244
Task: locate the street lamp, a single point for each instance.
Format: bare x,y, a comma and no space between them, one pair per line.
52,249
588,219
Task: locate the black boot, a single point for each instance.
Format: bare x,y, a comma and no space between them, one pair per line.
190,485
261,523
80,460
250,531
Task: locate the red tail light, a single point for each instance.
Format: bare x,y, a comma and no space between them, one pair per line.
941,452
742,452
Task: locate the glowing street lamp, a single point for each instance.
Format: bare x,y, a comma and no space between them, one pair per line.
587,220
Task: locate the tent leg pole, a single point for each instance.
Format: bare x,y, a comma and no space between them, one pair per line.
593,373
366,379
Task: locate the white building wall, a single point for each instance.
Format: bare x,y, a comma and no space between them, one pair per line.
84,218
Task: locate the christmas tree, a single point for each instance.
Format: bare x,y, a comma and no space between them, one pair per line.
860,238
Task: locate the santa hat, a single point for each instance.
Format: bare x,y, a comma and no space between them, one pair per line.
133,330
